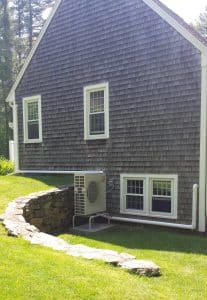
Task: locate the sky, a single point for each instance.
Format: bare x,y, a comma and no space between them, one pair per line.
189,10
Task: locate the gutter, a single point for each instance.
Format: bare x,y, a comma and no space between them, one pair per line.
166,224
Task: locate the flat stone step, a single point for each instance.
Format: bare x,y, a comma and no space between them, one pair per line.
141,267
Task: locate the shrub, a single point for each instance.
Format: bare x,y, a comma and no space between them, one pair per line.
6,166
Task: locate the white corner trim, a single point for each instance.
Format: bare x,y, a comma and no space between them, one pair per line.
203,146
16,138
32,52
25,101
86,90
176,25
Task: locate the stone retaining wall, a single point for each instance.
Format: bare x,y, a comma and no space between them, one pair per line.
50,211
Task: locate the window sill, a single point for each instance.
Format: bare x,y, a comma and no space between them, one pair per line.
152,215
33,142
98,137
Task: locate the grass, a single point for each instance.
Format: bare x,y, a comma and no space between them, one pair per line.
33,272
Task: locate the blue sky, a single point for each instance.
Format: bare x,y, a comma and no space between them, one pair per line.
189,10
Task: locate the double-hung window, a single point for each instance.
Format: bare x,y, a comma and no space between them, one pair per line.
32,119
149,195
96,111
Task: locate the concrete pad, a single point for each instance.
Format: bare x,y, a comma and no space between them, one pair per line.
94,228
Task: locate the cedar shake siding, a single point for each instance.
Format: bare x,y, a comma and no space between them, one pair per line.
154,77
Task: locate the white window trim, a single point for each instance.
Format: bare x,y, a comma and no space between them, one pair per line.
147,210
92,88
25,101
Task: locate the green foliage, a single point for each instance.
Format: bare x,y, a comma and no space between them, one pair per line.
20,23
5,74
27,23
6,166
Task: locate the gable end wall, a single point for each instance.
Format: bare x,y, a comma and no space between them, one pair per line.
154,77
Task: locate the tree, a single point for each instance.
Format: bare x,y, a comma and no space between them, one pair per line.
20,23
19,33
33,18
5,73
27,23
201,24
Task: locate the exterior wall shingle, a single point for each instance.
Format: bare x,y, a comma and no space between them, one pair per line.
154,77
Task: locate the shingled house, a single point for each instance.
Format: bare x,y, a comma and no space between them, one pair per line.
120,87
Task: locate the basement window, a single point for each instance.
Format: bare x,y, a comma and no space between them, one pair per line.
32,119
149,195
96,111
135,194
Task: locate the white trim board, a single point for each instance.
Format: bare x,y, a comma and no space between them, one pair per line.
32,52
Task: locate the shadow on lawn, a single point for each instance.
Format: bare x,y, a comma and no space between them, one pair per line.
55,180
139,237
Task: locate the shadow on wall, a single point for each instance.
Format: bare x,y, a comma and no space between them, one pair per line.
142,237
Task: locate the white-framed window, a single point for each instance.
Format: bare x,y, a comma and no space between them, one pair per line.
32,119
149,195
96,111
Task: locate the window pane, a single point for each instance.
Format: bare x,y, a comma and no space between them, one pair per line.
162,187
97,124
161,198
134,202
33,130
135,187
161,204
97,101
32,111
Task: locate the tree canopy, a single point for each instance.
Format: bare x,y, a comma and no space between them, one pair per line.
20,23
201,24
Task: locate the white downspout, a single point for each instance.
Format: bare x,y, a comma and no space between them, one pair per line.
166,224
203,153
195,206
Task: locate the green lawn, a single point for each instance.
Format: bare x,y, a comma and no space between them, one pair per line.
33,272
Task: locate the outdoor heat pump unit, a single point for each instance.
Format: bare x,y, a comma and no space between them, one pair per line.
90,193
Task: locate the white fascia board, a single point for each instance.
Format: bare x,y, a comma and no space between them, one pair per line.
176,25
32,52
